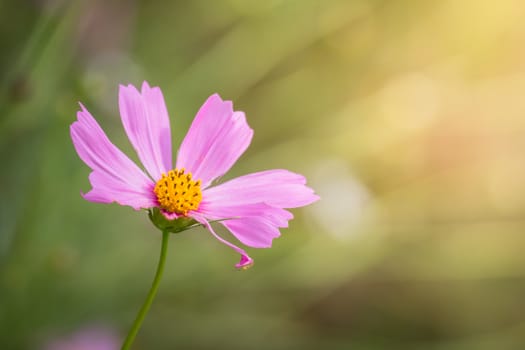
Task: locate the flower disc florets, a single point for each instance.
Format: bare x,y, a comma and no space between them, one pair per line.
177,192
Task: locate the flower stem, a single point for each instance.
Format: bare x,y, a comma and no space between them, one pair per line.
151,295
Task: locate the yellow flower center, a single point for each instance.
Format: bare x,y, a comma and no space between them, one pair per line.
177,192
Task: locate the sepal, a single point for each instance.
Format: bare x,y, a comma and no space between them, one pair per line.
182,223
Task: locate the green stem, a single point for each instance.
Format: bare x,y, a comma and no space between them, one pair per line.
151,295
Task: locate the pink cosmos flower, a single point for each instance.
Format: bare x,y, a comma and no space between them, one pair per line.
251,207
92,338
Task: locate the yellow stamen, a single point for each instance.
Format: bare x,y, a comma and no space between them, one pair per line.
177,192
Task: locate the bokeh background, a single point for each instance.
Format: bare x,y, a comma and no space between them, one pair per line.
407,117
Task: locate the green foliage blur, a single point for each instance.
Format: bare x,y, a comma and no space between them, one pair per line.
407,117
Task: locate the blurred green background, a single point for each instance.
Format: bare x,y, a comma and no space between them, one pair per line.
407,117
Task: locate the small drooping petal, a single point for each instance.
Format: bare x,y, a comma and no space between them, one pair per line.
278,188
217,137
170,215
245,260
147,125
115,177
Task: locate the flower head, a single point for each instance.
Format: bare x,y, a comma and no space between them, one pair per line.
251,207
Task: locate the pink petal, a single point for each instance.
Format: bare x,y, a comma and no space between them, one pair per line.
255,225
253,231
147,125
107,190
245,261
169,215
115,177
255,203
278,188
219,211
217,137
